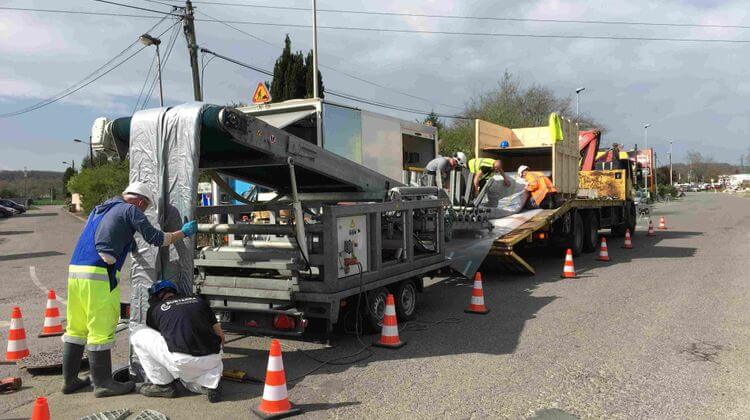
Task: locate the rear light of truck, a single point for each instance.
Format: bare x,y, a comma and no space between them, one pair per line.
540,236
283,322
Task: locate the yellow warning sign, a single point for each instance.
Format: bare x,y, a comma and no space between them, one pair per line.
261,95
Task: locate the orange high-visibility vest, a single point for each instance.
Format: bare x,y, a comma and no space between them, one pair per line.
538,185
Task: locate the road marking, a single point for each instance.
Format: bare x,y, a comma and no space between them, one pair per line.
35,279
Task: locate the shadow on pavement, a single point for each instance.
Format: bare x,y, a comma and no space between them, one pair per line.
29,255
36,215
16,232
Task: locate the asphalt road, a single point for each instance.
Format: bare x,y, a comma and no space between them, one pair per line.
661,331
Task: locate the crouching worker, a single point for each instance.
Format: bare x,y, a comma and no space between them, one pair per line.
543,193
182,340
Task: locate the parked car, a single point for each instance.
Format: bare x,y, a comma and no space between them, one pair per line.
13,205
6,212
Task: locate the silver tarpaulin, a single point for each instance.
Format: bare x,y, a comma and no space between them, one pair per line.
164,147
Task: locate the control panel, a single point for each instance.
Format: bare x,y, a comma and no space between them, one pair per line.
352,245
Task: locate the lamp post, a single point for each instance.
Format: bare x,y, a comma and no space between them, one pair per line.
645,178
578,99
91,150
147,40
72,164
670,163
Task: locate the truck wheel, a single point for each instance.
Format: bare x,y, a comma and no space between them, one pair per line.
590,231
628,222
406,300
374,309
576,236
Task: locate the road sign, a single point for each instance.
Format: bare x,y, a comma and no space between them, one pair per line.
261,95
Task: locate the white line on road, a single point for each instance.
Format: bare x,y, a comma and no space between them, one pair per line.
35,279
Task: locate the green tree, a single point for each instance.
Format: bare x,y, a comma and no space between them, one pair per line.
100,183
511,105
292,75
100,158
67,175
433,120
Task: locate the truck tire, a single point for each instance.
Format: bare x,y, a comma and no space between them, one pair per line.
629,221
590,231
576,236
374,309
406,300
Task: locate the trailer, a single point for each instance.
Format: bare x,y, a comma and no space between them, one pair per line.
599,196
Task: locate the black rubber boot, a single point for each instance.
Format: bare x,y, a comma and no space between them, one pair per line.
213,395
101,373
163,391
71,365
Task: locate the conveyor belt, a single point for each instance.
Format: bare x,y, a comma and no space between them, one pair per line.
245,147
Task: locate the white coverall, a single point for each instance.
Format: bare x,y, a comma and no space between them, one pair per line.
162,366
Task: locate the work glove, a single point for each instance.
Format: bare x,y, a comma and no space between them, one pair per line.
190,228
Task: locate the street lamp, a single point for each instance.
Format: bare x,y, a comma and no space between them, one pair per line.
578,95
148,40
670,163
645,178
72,164
91,150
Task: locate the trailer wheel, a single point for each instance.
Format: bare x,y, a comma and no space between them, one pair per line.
374,309
629,221
590,231
406,300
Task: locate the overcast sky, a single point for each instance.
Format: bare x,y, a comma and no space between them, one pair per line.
696,94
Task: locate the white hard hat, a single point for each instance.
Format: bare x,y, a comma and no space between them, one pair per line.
460,158
521,169
141,189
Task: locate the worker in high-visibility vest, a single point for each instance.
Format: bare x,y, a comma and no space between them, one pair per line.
483,169
543,192
93,291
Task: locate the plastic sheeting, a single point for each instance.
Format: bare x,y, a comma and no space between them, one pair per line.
505,201
164,148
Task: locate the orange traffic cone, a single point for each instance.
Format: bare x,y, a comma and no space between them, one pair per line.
275,402
17,348
628,242
389,335
477,297
569,271
662,224
52,326
651,228
603,251
41,410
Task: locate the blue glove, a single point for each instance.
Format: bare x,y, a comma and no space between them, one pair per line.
190,228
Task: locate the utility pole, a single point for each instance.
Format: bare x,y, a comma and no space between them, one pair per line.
189,27
670,163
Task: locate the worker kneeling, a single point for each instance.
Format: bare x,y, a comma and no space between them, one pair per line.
543,193
182,341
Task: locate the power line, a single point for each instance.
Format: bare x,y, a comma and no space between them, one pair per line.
335,93
79,12
331,68
493,34
485,18
414,31
89,79
134,7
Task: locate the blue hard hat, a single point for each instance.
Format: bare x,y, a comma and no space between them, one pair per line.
161,285
504,144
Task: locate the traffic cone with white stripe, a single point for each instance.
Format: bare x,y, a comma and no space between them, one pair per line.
662,224
603,251
569,271
628,242
17,348
52,325
389,335
477,297
275,402
651,228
